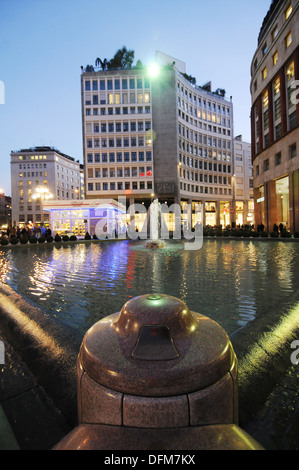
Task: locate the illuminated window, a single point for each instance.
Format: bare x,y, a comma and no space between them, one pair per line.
288,12
265,99
146,97
264,73
291,71
289,39
277,86
275,58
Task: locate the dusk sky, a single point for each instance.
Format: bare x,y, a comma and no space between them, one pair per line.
43,44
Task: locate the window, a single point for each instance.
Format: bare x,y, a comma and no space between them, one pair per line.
291,71
264,73
278,159
87,85
293,120
277,109
274,33
265,99
277,86
275,58
293,151
289,39
265,49
288,12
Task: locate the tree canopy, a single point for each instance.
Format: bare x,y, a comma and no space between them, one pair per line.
122,59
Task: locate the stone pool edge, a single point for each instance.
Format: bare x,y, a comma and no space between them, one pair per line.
47,346
50,349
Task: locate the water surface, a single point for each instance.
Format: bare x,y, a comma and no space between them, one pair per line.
232,282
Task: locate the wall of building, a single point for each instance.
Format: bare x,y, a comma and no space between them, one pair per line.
275,117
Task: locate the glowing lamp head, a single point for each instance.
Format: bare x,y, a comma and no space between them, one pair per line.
153,70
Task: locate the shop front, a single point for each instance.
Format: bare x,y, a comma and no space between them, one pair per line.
97,217
282,202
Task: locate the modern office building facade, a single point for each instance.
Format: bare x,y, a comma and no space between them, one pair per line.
243,182
275,118
36,174
160,137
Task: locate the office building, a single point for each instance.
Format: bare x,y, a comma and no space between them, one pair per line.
275,118
5,211
243,181
159,137
37,174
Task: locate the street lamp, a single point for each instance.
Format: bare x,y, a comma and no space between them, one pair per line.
42,193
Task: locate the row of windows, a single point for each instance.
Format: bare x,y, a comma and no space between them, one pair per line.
32,165
205,178
203,102
29,174
33,157
117,111
125,126
120,186
276,160
209,141
119,157
131,83
117,98
206,116
193,188
203,165
274,34
288,40
205,152
277,96
112,142
127,172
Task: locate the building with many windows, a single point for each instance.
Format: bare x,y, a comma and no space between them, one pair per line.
275,117
37,174
5,211
243,182
162,137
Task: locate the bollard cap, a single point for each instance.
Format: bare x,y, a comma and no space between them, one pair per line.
156,347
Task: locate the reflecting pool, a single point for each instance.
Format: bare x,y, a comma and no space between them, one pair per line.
232,282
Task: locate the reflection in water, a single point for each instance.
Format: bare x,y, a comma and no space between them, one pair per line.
231,282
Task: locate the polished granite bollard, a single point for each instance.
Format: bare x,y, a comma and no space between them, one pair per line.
157,376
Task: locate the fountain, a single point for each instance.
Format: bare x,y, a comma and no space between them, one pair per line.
155,227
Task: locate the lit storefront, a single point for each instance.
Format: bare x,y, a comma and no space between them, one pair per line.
224,214
92,216
282,201
260,205
210,213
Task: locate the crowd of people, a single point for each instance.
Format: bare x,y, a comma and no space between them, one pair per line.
29,231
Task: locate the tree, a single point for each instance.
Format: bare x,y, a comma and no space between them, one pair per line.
123,58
